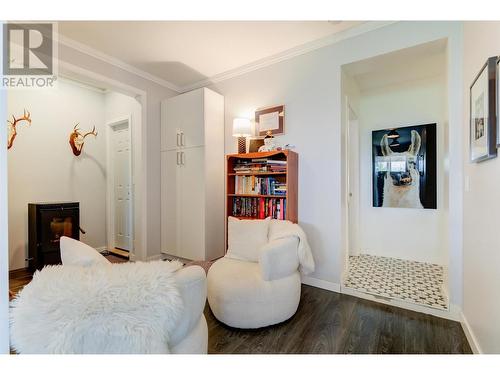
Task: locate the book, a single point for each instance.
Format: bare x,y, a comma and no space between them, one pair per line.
259,165
259,208
254,185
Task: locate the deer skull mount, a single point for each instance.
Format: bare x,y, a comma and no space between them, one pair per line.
12,124
77,139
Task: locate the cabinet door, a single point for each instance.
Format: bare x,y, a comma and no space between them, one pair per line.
191,121
170,202
192,213
170,124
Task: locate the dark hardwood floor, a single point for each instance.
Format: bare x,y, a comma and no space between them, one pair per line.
19,278
328,322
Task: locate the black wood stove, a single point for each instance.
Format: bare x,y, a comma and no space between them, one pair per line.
47,223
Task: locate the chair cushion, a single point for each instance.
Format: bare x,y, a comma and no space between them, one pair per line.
239,297
279,258
277,227
245,238
76,253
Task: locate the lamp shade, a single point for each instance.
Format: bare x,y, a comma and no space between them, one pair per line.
242,127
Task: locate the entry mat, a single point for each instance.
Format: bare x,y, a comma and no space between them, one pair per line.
405,280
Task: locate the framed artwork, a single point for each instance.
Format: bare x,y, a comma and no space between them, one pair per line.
270,119
483,125
498,101
254,144
404,167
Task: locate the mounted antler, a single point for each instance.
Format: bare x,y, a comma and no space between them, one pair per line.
12,124
76,139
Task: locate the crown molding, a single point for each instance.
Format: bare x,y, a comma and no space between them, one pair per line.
290,53
259,64
83,48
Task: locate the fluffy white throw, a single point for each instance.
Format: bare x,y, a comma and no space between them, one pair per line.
282,229
122,308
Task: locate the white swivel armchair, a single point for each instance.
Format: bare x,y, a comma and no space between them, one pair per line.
260,289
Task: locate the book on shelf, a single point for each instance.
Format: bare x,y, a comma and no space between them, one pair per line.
259,208
259,165
259,185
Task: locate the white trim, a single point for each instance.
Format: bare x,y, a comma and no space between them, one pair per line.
80,84
110,189
80,47
290,53
140,184
266,61
155,257
453,313
471,338
4,230
318,283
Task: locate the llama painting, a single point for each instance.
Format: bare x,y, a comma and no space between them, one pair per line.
404,167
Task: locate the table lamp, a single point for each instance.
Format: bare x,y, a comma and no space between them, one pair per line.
242,128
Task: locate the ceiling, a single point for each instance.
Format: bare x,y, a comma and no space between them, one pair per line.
409,64
187,52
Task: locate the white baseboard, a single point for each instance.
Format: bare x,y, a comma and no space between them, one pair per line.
471,338
318,283
453,313
155,257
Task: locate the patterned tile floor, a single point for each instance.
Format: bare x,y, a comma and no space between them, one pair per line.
409,281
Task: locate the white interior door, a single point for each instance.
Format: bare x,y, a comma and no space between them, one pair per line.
171,122
192,213
353,180
192,119
170,202
122,203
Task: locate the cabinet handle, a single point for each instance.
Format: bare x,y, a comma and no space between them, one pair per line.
178,140
182,139
183,158
178,162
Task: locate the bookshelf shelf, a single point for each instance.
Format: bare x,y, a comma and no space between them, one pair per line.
257,174
257,196
260,202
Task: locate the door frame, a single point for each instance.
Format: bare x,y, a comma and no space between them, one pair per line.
347,109
110,191
349,200
4,230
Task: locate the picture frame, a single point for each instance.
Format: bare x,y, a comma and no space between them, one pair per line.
404,166
270,119
254,144
498,100
482,120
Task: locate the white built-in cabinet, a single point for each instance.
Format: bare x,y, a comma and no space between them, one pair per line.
192,175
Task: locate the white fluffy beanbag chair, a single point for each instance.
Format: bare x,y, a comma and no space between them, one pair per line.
124,308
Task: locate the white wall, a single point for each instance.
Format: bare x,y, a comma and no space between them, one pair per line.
150,169
4,251
481,305
412,234
309,86
42,167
